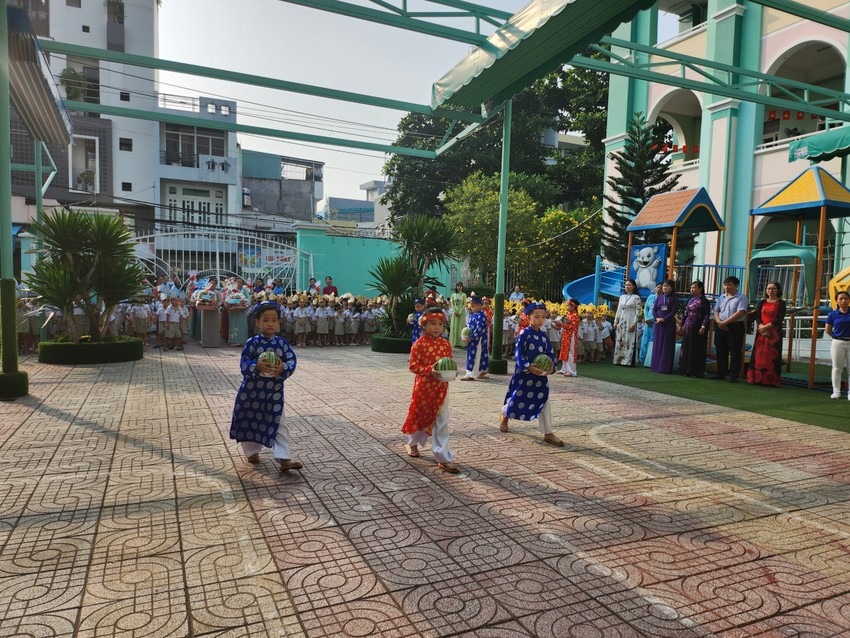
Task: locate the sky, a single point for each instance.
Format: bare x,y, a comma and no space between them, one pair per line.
288,42
299,44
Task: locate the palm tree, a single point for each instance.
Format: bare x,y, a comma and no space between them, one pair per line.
395,278
86,260
426,241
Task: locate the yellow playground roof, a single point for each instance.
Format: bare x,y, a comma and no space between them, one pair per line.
806,194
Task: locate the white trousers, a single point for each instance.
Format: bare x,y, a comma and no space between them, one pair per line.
280,446
439,436
476,368
569,366
840,351
545,417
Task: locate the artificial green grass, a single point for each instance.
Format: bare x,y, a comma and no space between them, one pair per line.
788,402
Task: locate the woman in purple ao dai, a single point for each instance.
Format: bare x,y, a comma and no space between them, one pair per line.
664,345
695,333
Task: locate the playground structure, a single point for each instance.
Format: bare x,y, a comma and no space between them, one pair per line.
605,281
813,195
839,283
687,211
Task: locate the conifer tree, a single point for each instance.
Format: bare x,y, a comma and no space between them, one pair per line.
642,171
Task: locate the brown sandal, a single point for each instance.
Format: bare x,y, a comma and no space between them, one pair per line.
286,465
412,450
448,468
551,439
254,458
503,424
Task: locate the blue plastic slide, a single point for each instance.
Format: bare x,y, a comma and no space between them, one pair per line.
603,283
581,289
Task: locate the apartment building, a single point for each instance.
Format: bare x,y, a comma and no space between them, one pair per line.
160,175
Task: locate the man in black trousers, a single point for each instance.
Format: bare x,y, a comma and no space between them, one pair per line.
730,316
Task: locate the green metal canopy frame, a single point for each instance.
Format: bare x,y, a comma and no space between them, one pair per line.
550,34
24,82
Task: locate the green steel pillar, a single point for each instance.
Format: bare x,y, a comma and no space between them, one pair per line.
13,384
39,204
6,242
498,365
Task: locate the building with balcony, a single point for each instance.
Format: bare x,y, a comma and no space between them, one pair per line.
155,173
738,150
278,191
197,168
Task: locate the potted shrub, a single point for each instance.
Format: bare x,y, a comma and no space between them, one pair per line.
396,279
74,82
424,241
115,11
86,180
86,261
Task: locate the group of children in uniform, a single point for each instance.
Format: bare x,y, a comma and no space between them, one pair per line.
324,320
167,319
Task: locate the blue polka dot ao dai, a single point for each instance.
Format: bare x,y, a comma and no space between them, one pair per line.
527,392
258,410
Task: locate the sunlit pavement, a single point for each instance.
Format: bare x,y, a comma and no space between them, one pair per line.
126,510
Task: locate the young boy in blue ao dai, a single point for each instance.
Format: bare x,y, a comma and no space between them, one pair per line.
528,391
477,356
258,414
413,320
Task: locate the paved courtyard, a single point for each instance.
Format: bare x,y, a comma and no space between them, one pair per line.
125,510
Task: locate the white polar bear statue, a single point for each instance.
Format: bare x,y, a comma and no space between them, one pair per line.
646,265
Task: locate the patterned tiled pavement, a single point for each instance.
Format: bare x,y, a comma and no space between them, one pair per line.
125,510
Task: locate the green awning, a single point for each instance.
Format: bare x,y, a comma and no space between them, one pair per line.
32,92
821,147
550,31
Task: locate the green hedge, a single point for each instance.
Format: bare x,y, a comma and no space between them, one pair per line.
124,349
381,343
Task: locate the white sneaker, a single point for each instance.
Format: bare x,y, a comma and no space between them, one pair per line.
836,395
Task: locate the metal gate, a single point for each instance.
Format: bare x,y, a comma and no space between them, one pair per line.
221,253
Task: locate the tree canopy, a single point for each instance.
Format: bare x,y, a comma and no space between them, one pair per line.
641,171
569,100
579,98
545,245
